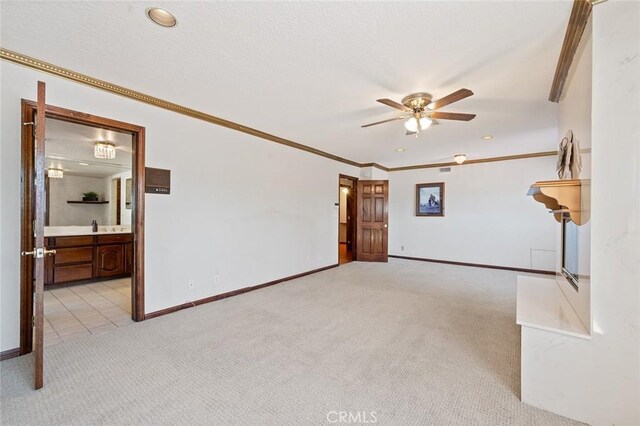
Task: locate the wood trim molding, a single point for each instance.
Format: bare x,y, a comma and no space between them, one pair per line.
475,265
232,293
376,165
30,62
476,161
577,23
47,67
9,353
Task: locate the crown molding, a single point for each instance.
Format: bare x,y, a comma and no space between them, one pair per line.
49,68
36,64
476,161
580,13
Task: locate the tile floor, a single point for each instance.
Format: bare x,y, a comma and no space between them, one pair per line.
81,310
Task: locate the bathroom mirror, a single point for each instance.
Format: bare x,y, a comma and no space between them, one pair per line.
80,185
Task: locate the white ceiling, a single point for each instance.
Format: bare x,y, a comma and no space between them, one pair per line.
311,71
69,144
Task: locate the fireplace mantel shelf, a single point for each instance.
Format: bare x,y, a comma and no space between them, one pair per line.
564,197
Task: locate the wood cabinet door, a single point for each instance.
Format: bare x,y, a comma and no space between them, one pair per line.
110,260
372,229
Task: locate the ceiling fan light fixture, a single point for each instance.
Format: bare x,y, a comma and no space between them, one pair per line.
105,150
55,173
460,158
425,123
411,124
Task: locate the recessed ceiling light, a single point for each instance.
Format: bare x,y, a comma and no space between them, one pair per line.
399,149
161,17
487,137
83,164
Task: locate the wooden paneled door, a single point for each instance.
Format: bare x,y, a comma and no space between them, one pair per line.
34,251
372,227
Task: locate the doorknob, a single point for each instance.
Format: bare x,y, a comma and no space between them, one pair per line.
38,253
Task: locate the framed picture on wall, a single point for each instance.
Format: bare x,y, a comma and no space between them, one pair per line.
430,199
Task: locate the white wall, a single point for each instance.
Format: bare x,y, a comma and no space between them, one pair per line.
71,188
598,381
235,201
574,113
125,214
343,217
489,218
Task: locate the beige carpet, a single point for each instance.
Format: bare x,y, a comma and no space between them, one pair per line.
403,343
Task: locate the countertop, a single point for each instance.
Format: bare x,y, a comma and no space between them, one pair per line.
66,231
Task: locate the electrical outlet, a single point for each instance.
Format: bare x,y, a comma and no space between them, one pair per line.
192,284
401,248
216,279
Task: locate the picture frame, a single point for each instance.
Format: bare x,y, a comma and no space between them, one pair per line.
430,199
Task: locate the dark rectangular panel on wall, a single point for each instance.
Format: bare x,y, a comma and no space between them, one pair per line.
157,181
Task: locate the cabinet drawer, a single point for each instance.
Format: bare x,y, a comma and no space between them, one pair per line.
73,255
114,239
63,274
86,240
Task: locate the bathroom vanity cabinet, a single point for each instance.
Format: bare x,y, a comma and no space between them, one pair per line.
88,258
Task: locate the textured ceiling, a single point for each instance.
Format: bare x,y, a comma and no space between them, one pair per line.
311,71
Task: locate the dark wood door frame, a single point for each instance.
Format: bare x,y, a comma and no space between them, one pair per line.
352,213
29,109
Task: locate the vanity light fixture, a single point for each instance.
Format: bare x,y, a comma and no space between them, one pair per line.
55,173
161,17
105,150
487,137
459,158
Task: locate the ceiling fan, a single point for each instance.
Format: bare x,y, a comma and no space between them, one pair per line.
421,111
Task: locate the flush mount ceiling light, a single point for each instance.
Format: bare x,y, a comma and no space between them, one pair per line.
345,190
487,137
105,150
400,149
161,17
55,173
459,158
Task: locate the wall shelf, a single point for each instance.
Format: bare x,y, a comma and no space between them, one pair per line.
88,202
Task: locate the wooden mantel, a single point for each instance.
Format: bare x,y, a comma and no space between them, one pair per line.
564,197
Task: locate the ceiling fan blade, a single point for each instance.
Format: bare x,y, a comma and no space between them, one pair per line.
453,116
451,98
383,121
394,104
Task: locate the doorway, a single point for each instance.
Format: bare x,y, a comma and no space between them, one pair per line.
347,191
94,173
